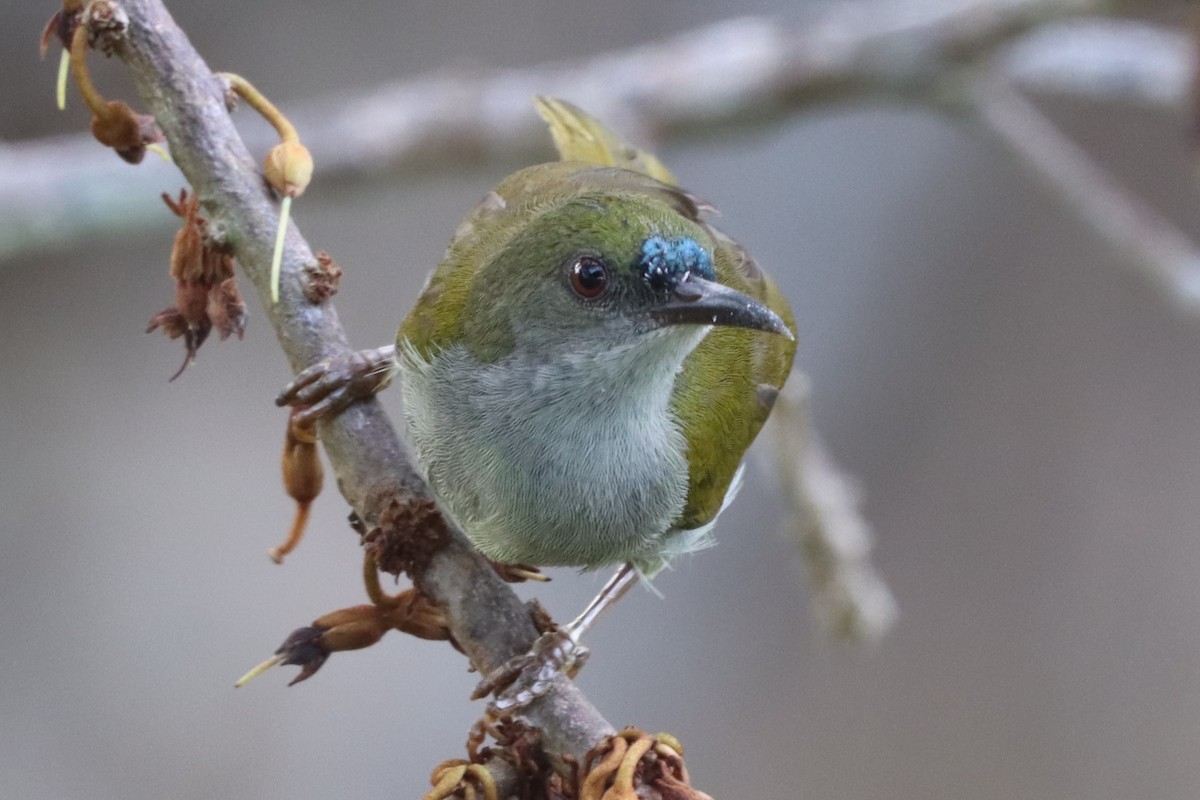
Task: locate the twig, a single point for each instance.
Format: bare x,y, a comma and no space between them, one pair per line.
739,72
1145,240
485,616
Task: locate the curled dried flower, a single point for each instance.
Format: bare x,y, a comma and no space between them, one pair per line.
114,123
206,291
629,761
457,778
519,744
303,477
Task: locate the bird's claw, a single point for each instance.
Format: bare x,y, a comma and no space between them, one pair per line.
527,677
328,387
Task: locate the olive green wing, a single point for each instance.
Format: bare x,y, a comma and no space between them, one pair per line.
728,386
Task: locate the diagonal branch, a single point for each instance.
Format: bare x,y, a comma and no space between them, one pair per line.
485,616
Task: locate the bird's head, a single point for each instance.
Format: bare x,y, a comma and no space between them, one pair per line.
600,271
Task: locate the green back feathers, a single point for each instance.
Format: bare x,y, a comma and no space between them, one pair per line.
728,386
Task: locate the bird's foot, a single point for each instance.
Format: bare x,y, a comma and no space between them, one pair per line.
527,677
518,573
328,387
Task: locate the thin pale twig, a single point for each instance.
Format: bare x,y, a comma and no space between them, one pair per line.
1141,236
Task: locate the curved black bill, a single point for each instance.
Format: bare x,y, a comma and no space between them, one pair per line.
697,301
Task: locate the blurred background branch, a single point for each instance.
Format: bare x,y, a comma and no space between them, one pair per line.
736,73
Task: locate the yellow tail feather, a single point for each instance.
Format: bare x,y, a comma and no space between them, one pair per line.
581,137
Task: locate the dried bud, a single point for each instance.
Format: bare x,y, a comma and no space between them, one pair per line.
302,471
174,325
309,647
125,131
354,634
106,23
321,281
303,477
289,168
114,124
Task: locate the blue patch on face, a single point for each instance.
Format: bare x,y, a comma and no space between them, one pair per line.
668,261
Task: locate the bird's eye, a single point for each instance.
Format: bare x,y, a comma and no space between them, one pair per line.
589,277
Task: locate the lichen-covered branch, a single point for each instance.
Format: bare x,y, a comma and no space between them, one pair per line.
486,618
741,72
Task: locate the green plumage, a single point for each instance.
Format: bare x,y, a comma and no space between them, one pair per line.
500,286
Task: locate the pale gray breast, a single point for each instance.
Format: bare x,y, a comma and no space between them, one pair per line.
575,464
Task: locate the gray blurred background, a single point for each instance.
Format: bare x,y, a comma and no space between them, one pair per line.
1020,410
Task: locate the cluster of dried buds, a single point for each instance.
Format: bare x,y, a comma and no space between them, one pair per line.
629,765
206,292
206,295
628,761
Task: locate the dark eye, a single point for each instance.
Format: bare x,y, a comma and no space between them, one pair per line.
589,277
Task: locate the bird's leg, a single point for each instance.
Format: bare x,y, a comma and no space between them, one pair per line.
616,588
527,677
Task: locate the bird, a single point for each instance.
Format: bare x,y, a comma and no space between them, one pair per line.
586,367
590,361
